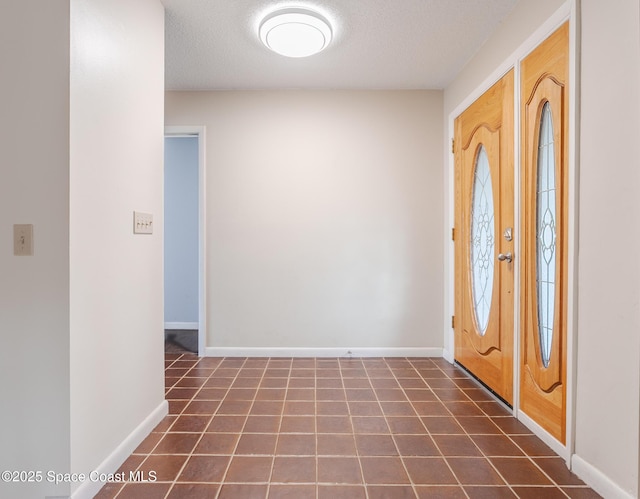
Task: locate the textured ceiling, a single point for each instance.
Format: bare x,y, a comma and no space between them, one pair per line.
378,44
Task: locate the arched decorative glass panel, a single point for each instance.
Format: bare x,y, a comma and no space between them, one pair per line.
546,234
482,240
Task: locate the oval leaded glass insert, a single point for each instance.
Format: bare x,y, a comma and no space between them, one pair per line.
546,234
482,240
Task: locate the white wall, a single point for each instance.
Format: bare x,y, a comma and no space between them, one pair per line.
609,273
34,291
324,216
181,193
117,67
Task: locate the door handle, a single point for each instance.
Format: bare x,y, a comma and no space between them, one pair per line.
505,256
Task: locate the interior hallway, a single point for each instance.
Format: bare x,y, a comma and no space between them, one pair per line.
338,428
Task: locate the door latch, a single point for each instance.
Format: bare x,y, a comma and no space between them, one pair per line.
508,257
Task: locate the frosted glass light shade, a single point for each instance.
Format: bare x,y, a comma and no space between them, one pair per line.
295,32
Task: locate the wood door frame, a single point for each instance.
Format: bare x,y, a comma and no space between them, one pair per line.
568,12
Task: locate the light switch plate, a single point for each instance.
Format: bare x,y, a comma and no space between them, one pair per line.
142,223
23,239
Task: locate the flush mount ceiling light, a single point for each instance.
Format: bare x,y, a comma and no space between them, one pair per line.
295,32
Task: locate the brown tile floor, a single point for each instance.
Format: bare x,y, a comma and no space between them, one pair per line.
338,428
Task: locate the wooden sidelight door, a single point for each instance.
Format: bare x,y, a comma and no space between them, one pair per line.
484,270
544,129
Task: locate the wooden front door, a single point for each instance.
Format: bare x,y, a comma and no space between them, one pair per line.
484,269
544,140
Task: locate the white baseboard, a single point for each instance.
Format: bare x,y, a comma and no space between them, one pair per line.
556,446
89,488
321,352
448,356
181,325
597,480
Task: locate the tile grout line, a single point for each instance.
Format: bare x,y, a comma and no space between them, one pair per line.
164,433
353,432
444,458
275,448
315,418
455,476
469,435
383,360
210,419
315,424
530,458
503,433
241,433
221,361
423,425
486,458
148,454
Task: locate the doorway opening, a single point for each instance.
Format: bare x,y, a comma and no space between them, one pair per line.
184,311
